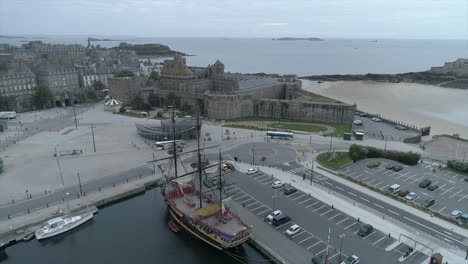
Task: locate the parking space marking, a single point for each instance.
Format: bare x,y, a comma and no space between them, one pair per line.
247,205
365,178
319,208
463,197
281,225
262,177
327,212
350,225
235,199
334,255
343,220
455,193
447,191
314,245
243,201
302,241
387,172
261,205
291,195
376,185
333,217
321,252
299,197
373,232
417,179
393,212
268,178
312,204
305,201
302,231
442,209
279,189
373,180
262,212
379,240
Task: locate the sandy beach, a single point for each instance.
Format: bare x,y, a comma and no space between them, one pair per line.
444,109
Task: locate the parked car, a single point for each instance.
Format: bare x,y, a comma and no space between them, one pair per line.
277,184
294,229
357,122
397,168
365,230
425,183
466,179
351,260
363,114
251,171
394,188
230,166
429,202
208,183
411,196
433,187
281,219
455,214
203,164
289,190
389,166
274,214
403,192
376,119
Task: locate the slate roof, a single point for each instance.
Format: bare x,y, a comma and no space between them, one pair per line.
247,81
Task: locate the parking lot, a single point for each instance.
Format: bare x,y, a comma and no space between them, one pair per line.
321,214
381,130
452,193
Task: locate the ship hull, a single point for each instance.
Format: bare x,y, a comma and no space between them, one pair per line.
187,227
40,235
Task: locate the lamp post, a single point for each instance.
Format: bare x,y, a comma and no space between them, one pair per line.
253,155
341,246
273,197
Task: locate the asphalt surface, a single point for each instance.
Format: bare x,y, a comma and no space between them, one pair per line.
382,130
315,218
452,193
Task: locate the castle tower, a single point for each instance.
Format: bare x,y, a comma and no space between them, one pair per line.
217,68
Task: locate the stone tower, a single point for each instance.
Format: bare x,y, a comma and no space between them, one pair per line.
217,68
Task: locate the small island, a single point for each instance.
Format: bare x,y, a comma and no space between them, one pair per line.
293,39
149,49
96,39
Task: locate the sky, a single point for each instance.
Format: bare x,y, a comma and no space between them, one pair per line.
400,19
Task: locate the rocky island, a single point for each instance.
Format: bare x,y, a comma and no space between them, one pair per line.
451,75
158,50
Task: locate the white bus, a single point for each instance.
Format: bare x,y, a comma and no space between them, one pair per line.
7,115
162,145
280,135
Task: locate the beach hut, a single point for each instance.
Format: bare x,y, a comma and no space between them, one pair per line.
112,104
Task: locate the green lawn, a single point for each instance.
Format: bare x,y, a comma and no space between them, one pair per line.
298,127
340,159
249,118
340,130
373,164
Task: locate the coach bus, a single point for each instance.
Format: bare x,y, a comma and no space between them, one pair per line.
162,145
280,135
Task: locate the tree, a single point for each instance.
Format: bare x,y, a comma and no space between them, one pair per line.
173,100
186,108
5,103
153,100
159,114
98,85
154,76
124,73
137,102
42,96
1,165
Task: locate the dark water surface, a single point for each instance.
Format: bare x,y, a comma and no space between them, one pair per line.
132,231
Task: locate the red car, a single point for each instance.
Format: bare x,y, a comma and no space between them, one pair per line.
403,192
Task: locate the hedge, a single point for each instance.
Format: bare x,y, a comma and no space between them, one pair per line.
361,152
458,165
373,164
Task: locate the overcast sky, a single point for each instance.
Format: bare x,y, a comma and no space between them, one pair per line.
434,19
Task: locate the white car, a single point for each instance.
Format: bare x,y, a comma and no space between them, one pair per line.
277,184
411,196
455,214
376,119
351,260
270,217
357,122
251,171
292,230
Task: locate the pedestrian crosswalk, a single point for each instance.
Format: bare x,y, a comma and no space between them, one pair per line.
300,170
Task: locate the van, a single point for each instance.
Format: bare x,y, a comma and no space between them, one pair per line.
281,219
395,188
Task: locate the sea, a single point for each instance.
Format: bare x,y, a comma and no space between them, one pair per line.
131,231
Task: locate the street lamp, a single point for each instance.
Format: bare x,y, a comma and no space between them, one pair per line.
341,246
273,197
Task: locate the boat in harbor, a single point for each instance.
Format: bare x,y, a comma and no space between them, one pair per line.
29,236
59,225
200,214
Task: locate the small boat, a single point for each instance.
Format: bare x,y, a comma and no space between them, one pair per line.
28,236
61,225
173,226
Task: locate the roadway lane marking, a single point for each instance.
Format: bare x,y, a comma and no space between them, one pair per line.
312,204
305,201
379,240
447,191
299,197
339,188
319,208
455,193
262,212
350,225
378,205
433,230
314,245
364,199
343,220
328,183
327,212
333,217
352,194
393,212
302,241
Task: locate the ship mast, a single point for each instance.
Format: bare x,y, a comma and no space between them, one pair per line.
199,159
174,147
220,184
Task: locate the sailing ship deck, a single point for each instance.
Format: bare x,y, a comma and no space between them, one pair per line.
230,225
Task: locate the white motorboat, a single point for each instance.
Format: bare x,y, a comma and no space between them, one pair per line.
59,225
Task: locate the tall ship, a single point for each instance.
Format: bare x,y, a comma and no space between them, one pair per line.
200,211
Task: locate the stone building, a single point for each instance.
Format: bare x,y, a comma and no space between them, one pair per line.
125,89
458,67
185,128
17,82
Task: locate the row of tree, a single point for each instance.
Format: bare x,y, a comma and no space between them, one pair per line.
358,152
